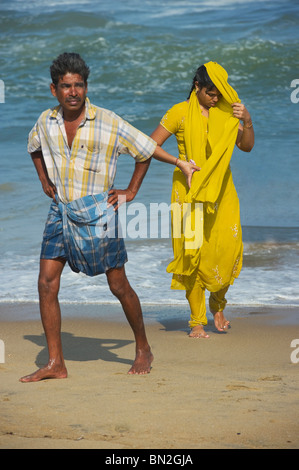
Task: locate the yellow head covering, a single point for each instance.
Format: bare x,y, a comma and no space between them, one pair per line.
223,128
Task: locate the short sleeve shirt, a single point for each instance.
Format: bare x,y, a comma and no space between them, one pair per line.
89,166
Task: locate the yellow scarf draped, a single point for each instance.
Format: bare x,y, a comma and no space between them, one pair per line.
206,183
223,129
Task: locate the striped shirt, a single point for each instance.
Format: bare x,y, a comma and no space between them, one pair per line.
89,166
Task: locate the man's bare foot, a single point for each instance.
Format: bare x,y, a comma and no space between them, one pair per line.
198,332
47,372
142,363
221,323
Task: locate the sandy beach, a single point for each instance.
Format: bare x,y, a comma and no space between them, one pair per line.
237,390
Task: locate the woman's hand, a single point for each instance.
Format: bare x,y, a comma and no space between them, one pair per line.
245,137
240,112
188,169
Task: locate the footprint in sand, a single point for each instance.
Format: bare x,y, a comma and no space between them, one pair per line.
240,387
271,378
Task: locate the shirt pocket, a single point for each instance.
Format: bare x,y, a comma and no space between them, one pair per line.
92,156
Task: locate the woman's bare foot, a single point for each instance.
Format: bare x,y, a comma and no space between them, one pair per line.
221,323
198,332
142,363
50,371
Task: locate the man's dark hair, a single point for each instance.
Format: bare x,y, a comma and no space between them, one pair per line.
68,62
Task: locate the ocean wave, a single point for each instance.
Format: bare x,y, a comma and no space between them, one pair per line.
142,57
268,277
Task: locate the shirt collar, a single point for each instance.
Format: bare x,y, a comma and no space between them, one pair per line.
90,111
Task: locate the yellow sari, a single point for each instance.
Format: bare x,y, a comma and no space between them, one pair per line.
216,259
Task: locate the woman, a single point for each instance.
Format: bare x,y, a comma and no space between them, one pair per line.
207,127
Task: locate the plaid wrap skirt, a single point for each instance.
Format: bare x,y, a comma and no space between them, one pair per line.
85,232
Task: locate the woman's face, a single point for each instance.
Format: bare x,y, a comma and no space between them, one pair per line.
207,98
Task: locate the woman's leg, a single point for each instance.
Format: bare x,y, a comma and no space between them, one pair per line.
217,303
198,317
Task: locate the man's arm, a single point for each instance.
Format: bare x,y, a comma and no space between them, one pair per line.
119,196
48,187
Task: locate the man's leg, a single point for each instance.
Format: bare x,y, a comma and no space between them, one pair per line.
48,287
120,287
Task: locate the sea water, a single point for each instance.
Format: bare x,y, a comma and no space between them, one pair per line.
142,57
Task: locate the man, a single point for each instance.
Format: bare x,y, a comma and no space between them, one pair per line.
74,148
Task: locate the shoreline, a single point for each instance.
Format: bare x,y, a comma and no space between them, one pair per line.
236,390
29,311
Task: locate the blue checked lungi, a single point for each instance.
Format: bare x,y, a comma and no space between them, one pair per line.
86,233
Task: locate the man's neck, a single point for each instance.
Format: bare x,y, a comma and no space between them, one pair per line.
72,116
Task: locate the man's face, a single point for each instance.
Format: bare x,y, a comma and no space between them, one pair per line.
70,92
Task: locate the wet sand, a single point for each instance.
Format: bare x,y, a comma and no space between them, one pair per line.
237,390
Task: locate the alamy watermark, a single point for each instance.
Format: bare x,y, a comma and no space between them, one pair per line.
2,352
295,93
137,220
295,353
2,92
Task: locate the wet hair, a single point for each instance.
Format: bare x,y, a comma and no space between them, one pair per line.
68,62
201,76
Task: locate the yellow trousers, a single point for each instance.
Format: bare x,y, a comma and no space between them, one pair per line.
197,302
